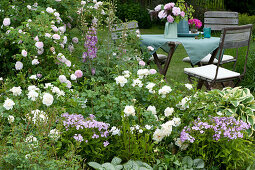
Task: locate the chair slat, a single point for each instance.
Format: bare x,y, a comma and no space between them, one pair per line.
221,14
226,21
235,44
216,27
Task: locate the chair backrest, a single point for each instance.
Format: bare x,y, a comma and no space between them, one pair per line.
235,37
217,20
119,29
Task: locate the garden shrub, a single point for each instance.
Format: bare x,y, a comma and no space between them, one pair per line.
247,19
133,11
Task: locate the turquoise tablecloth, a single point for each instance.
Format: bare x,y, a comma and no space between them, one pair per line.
197,49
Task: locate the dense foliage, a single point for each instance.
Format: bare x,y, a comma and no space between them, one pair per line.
72,98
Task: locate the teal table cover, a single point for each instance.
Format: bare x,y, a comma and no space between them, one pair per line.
197,49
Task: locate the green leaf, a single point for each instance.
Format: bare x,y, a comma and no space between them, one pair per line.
108,166
250,120
116,161
235,103
187,160
95,165
130,165
119,167
199,163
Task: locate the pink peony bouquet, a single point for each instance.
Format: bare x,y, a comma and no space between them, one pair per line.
195,23
170,12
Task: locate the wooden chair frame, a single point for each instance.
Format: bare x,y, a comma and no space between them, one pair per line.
226,45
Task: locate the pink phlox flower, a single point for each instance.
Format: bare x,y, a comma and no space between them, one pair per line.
170,19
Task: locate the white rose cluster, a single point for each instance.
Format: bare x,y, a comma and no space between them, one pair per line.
63,79
32,141
47,99
8,104
121,80
184,103
137,82
10,119
166,129
126,73
16,91
152,109
150,87
164,91
18,65
168,111
143,73
58,91
129,110
63,59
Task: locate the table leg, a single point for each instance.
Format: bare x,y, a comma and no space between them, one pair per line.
156,60
170,55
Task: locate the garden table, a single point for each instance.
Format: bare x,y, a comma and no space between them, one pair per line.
197,49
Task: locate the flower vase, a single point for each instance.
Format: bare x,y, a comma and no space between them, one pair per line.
183,26
170,30
193,30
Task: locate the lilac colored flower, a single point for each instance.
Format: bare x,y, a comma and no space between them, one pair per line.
170,19
78,137
106,143
78,73
167,6
93,71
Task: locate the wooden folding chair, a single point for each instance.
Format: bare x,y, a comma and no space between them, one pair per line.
231,37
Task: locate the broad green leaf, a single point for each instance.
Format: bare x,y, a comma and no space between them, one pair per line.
116,161
199,163
250,120
235,103
108,166
95,165
119,167
187,160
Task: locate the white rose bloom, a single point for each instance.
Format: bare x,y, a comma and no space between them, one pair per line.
33,77
47,99
68,84
167,128
56,14
73,77
140,131
62,29
1,78
137,127
164,90
32,141
35,61
158,135
158,8
8,104
183,105
10,119
56,37
32,95
54,134
29,20
48,35
47,85
126,73
68,63
39,44
49,10
152,109
24,53
177,121
188,86
129,110
32,87
29,7
142,73
16,91
18,65
168,111
137,82
7,21
150,86
55,90
121,80
54,28
61,58
62,79
83,2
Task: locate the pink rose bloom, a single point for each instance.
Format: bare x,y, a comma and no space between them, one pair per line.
170,19
24,53
7,22
141,63
152,71
158,8
182,14
78,73
39,44
36,38
172,4
55,29
162,14
176,11
167,6
56,37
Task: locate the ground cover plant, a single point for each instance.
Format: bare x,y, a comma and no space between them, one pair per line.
72,98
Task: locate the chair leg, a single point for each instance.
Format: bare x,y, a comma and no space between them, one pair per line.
190,80
223,85
200,84
238,81
208,86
